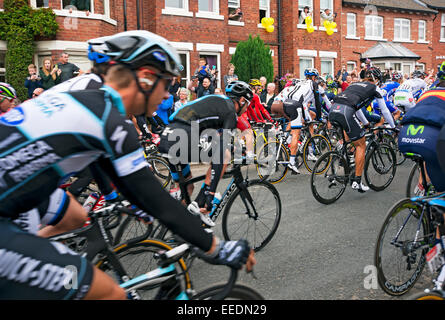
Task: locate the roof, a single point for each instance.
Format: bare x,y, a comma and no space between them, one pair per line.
395,4
389,50
435,4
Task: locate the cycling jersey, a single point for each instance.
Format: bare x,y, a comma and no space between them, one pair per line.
407,93
259,109
48,138
390,88
287,93
85,81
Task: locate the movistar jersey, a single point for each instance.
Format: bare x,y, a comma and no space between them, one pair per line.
429,109
48,138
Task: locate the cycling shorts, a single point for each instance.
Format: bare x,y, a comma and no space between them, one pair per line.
243,122
422,139
345,116
294,110
36,268
49,212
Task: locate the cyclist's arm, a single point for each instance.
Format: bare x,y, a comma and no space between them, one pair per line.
362,117
385,112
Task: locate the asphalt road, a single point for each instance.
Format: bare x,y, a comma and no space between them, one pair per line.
320,252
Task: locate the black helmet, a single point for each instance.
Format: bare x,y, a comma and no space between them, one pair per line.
238,89
374,73
135,49
417,74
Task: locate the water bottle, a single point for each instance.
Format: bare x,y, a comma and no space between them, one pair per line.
90,201
217,198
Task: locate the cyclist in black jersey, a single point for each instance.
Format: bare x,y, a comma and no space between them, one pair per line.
61,133
346,111
217,112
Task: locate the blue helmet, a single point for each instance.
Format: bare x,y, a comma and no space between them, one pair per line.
135,49
311,72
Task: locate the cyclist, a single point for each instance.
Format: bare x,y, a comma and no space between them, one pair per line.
346,110
408,92
206,115
421,127
7,97
256,105
64,132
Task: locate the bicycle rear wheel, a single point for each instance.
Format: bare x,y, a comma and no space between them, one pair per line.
434,295
239,219
132,228
329,177
398,258
315,147
160,169
239,292
273,159
380,167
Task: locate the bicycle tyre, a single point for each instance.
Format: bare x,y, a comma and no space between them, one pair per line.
413,176
279,168
324,171
401,257
383,160
322,145
132,228
238,217
239,292
427,296
160,170
135,250
389,139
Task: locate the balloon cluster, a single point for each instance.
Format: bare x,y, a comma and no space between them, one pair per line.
309,26
330,26
268,24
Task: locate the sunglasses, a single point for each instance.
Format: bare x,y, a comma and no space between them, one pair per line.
6,98
168,79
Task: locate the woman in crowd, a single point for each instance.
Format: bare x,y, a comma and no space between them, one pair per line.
50,74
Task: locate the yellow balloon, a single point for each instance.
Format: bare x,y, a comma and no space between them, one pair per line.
270,28
330,31
263,22
333,25
326,24
272,21
308,20
310,29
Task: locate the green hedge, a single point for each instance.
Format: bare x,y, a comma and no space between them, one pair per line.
19,25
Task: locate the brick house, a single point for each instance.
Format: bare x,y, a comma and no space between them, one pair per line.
203,28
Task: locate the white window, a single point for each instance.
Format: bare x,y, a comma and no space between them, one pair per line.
327,67
66,4
402,29
374,27
350,65
422,30
326,4
305,63
406,69
42,3
396,66
177,4
233,6
264,9
351,25
208,6
301,5
185,73
442,28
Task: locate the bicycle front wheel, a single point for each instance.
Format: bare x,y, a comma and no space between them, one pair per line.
239,292
433,295
160,169
314,148
380,167
253,214
401,247
272,162
329,177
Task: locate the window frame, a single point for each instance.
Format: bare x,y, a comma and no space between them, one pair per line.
299,64
185,5
372,23
400,27
424,31
210,14
267,15
348,15
442,28
331,60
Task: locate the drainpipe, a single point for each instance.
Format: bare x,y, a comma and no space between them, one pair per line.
280,64
138,23
125,15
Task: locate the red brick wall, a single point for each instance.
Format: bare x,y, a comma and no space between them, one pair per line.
439,47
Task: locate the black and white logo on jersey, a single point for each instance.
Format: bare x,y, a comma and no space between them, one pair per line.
119,136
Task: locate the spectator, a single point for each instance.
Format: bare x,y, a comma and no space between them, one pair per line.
305,13
346,83
82,5
365,66
69,70
37,92
230,76
343,73
237,15
204,71
165,109
49,74
33,81
327,15
202,90
219,91
267,96
183,95
174,88
263,81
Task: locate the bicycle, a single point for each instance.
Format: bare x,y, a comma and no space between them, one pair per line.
407,234
251,209
334,170
158,165
418,176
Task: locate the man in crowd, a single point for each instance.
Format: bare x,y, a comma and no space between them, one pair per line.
69,70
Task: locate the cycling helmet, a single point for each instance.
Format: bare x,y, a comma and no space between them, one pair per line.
417,74
311,72
6,90
396,76
135,49
374,73
254,82
320,80
441,71
238,89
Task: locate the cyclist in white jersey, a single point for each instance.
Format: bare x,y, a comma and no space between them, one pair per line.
407,93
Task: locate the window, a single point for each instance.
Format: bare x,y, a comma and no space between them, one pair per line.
2,67
327,67
185,72
407,69
396,66
402,29
305,63
233,5
208,5
422,30
421,67
178,4
351,25
326,4
82,5
264,9
42,3
442,28
301,5
374,27
350,65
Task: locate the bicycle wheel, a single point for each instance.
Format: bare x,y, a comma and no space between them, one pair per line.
389,139
316,146
132,228
433,295
329,177
272,162
398,258
380,167
138,258
160,169
239,292
413,180
239,218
